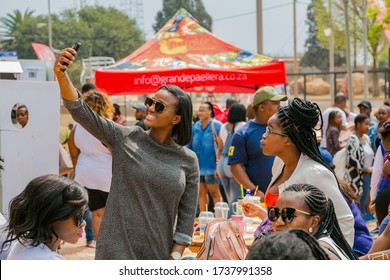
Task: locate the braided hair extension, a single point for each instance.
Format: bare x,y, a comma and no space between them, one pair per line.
317,251
295,244
298,121
318,204
384,130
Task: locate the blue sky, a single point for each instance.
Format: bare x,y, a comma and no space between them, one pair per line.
234,21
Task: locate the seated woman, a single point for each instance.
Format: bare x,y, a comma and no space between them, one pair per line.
291,137
49,211
294,244
303,206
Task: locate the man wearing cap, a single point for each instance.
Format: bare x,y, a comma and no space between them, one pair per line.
140,114
250,167
365,108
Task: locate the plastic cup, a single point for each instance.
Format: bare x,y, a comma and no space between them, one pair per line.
237,206
204,218
221,210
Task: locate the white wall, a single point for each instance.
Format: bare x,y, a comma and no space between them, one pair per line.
32,151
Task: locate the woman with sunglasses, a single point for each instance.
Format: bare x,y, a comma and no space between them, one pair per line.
303,206
48,212
291,138
151,207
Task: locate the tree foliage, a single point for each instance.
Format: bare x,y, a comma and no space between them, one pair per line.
357,12
102,32
316,55
10,24
194,7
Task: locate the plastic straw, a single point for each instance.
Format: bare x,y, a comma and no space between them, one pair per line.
257,187
207,207
242,191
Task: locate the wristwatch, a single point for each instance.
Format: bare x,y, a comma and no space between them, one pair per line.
176,256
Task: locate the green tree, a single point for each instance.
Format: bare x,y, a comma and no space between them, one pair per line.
10,24
316,55
112,33
102,32
194,7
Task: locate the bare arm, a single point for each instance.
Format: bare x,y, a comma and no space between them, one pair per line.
242,178
73,150
220,147
68,91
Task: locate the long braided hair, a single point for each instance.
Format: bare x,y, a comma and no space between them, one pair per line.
298,121
318,204
294,244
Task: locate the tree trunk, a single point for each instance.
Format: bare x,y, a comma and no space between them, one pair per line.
376,91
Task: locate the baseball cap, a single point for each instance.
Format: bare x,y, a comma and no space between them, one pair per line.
267,93
365,103
140,107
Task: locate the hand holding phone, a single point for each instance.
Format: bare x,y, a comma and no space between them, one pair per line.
76,47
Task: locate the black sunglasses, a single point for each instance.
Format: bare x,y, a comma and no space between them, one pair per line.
80,218
159,107
286,213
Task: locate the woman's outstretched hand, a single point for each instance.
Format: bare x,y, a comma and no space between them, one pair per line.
65,56
251,210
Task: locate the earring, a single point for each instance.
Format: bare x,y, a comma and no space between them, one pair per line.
310,229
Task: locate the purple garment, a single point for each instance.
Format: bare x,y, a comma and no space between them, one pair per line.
362,241
264,228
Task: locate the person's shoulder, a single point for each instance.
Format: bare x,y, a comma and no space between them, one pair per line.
188,153
313,168
217,122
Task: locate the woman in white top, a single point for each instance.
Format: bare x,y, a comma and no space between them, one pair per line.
49,211
236,120
303,206
291,138
360,157
92,160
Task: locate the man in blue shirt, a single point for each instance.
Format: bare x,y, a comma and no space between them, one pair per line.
250,167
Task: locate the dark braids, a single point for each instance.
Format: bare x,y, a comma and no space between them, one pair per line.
298,121
318,204
295,244
317,251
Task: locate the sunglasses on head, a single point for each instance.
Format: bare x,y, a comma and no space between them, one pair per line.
159,107
288,214
80,218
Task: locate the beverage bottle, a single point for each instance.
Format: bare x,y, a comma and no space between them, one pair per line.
247,220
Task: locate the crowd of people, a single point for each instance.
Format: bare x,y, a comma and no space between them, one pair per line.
143,185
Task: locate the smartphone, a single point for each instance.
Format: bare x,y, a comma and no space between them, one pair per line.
76,47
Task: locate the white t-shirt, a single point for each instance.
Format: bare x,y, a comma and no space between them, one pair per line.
325,117
223,131
331,243
94,164
19,251
368,155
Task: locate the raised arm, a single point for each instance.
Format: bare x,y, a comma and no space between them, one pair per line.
68,91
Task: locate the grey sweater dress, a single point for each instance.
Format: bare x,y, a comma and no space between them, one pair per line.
151,184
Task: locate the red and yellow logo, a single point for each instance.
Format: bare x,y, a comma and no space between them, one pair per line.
173,46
